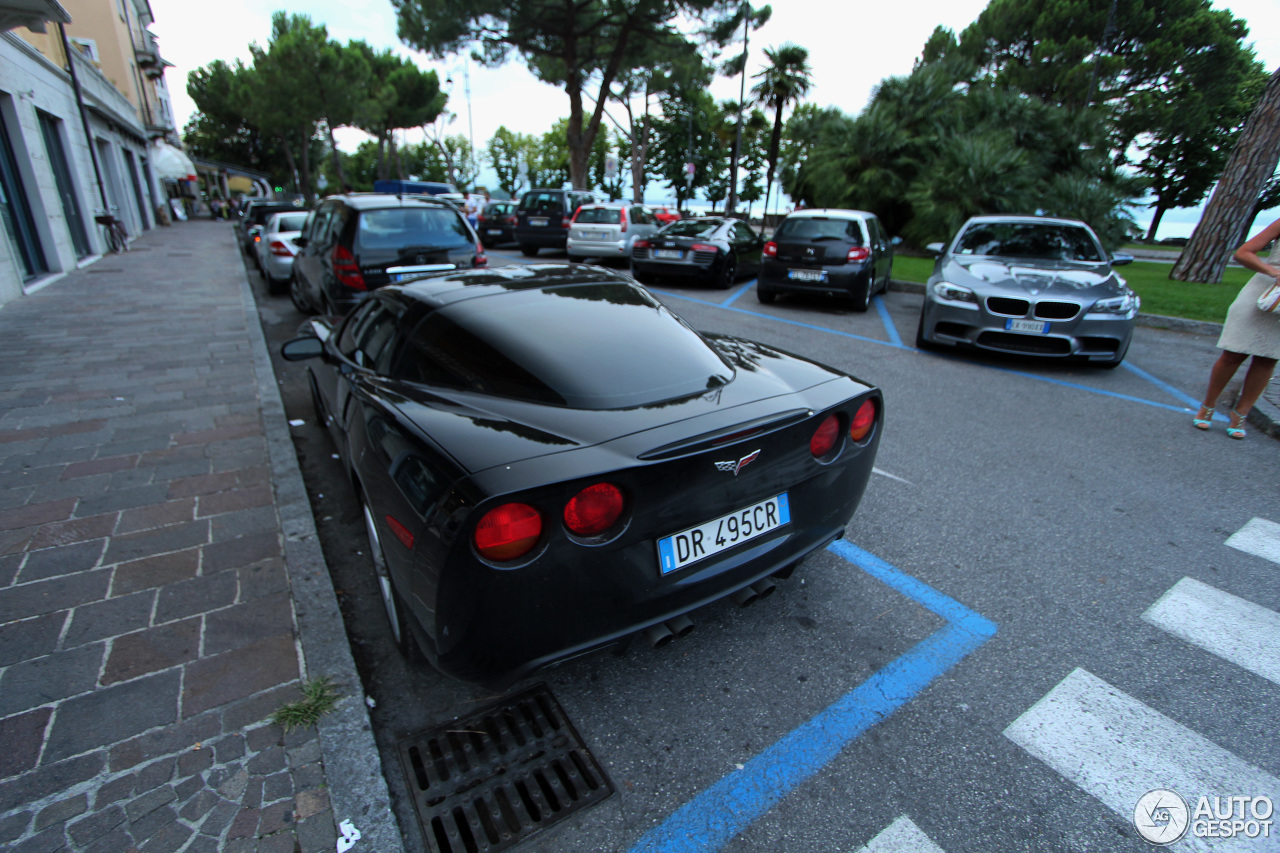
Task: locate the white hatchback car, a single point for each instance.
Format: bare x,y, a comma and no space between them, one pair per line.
608,230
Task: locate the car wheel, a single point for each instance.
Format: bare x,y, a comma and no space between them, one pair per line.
921,343
728,273
391,601
276,286
299,298
765,296
528,251
862,299
643,278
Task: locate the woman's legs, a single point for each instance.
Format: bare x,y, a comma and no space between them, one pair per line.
1255,382
1223,369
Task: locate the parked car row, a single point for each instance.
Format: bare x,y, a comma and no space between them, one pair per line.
1020,284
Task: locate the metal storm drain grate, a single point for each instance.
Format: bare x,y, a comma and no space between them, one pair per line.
488,781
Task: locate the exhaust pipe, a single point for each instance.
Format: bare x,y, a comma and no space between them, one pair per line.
764,587
745,597
658,635
680,627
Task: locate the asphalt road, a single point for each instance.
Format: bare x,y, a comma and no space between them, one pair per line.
960,673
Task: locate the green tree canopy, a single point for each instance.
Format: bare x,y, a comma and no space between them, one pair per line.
581,46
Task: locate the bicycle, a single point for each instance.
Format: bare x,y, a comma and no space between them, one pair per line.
114,233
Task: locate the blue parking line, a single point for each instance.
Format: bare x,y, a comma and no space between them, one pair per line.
890,329
713,818
775,319
741,290
896,342
1191,402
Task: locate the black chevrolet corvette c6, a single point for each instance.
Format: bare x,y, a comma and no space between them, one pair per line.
551,461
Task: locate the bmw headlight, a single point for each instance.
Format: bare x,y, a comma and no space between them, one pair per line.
954,293
1116,305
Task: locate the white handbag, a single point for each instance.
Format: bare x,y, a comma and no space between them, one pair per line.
1269,301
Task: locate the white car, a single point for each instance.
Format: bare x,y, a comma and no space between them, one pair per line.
608,230
274,248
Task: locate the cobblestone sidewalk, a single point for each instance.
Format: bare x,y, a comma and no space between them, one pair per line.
149,574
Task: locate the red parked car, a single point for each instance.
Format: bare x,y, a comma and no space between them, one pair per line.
665,215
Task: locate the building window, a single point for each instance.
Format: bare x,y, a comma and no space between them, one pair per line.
15,211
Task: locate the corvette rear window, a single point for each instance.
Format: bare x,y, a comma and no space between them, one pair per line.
585,346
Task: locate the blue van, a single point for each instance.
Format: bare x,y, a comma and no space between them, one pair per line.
415,188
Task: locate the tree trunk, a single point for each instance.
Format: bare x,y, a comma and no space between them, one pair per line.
288,156
343,183
1155,222
304,175
1252,162
383,169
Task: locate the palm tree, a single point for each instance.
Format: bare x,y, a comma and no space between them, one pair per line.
784,80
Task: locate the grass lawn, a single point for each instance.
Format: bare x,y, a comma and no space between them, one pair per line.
1149,280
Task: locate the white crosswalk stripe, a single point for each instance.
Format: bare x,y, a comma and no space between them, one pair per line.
901,836
1117,749
1230,627
1260,538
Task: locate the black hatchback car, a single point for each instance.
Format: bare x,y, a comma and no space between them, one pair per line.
497,223
358,242
842,253
550,461
543,218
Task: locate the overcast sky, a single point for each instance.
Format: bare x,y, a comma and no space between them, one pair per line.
850,51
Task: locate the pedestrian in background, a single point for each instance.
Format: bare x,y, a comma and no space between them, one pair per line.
1248,331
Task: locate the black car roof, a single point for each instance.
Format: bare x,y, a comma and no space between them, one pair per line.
469,284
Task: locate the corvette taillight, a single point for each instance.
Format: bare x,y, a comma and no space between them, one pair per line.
771,249
863,421
508,532
824,438
594,510
859,253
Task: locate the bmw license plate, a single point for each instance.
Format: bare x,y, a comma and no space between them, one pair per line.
807,275
538,221
1035,327
721,534
673,254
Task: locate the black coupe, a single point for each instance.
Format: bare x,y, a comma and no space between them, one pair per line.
550,461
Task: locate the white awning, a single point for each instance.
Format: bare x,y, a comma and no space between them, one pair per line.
31,14
172,164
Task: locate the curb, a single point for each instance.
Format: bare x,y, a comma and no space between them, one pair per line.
352,765
1265,415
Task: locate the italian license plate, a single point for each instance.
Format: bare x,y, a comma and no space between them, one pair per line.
721,534
1035,327
495,230
538,221
673,254
807,275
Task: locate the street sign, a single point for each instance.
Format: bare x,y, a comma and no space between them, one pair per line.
611,167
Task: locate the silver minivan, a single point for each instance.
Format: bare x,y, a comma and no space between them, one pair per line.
608,230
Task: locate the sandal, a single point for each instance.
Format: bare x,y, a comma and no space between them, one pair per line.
1203,418
1236,429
